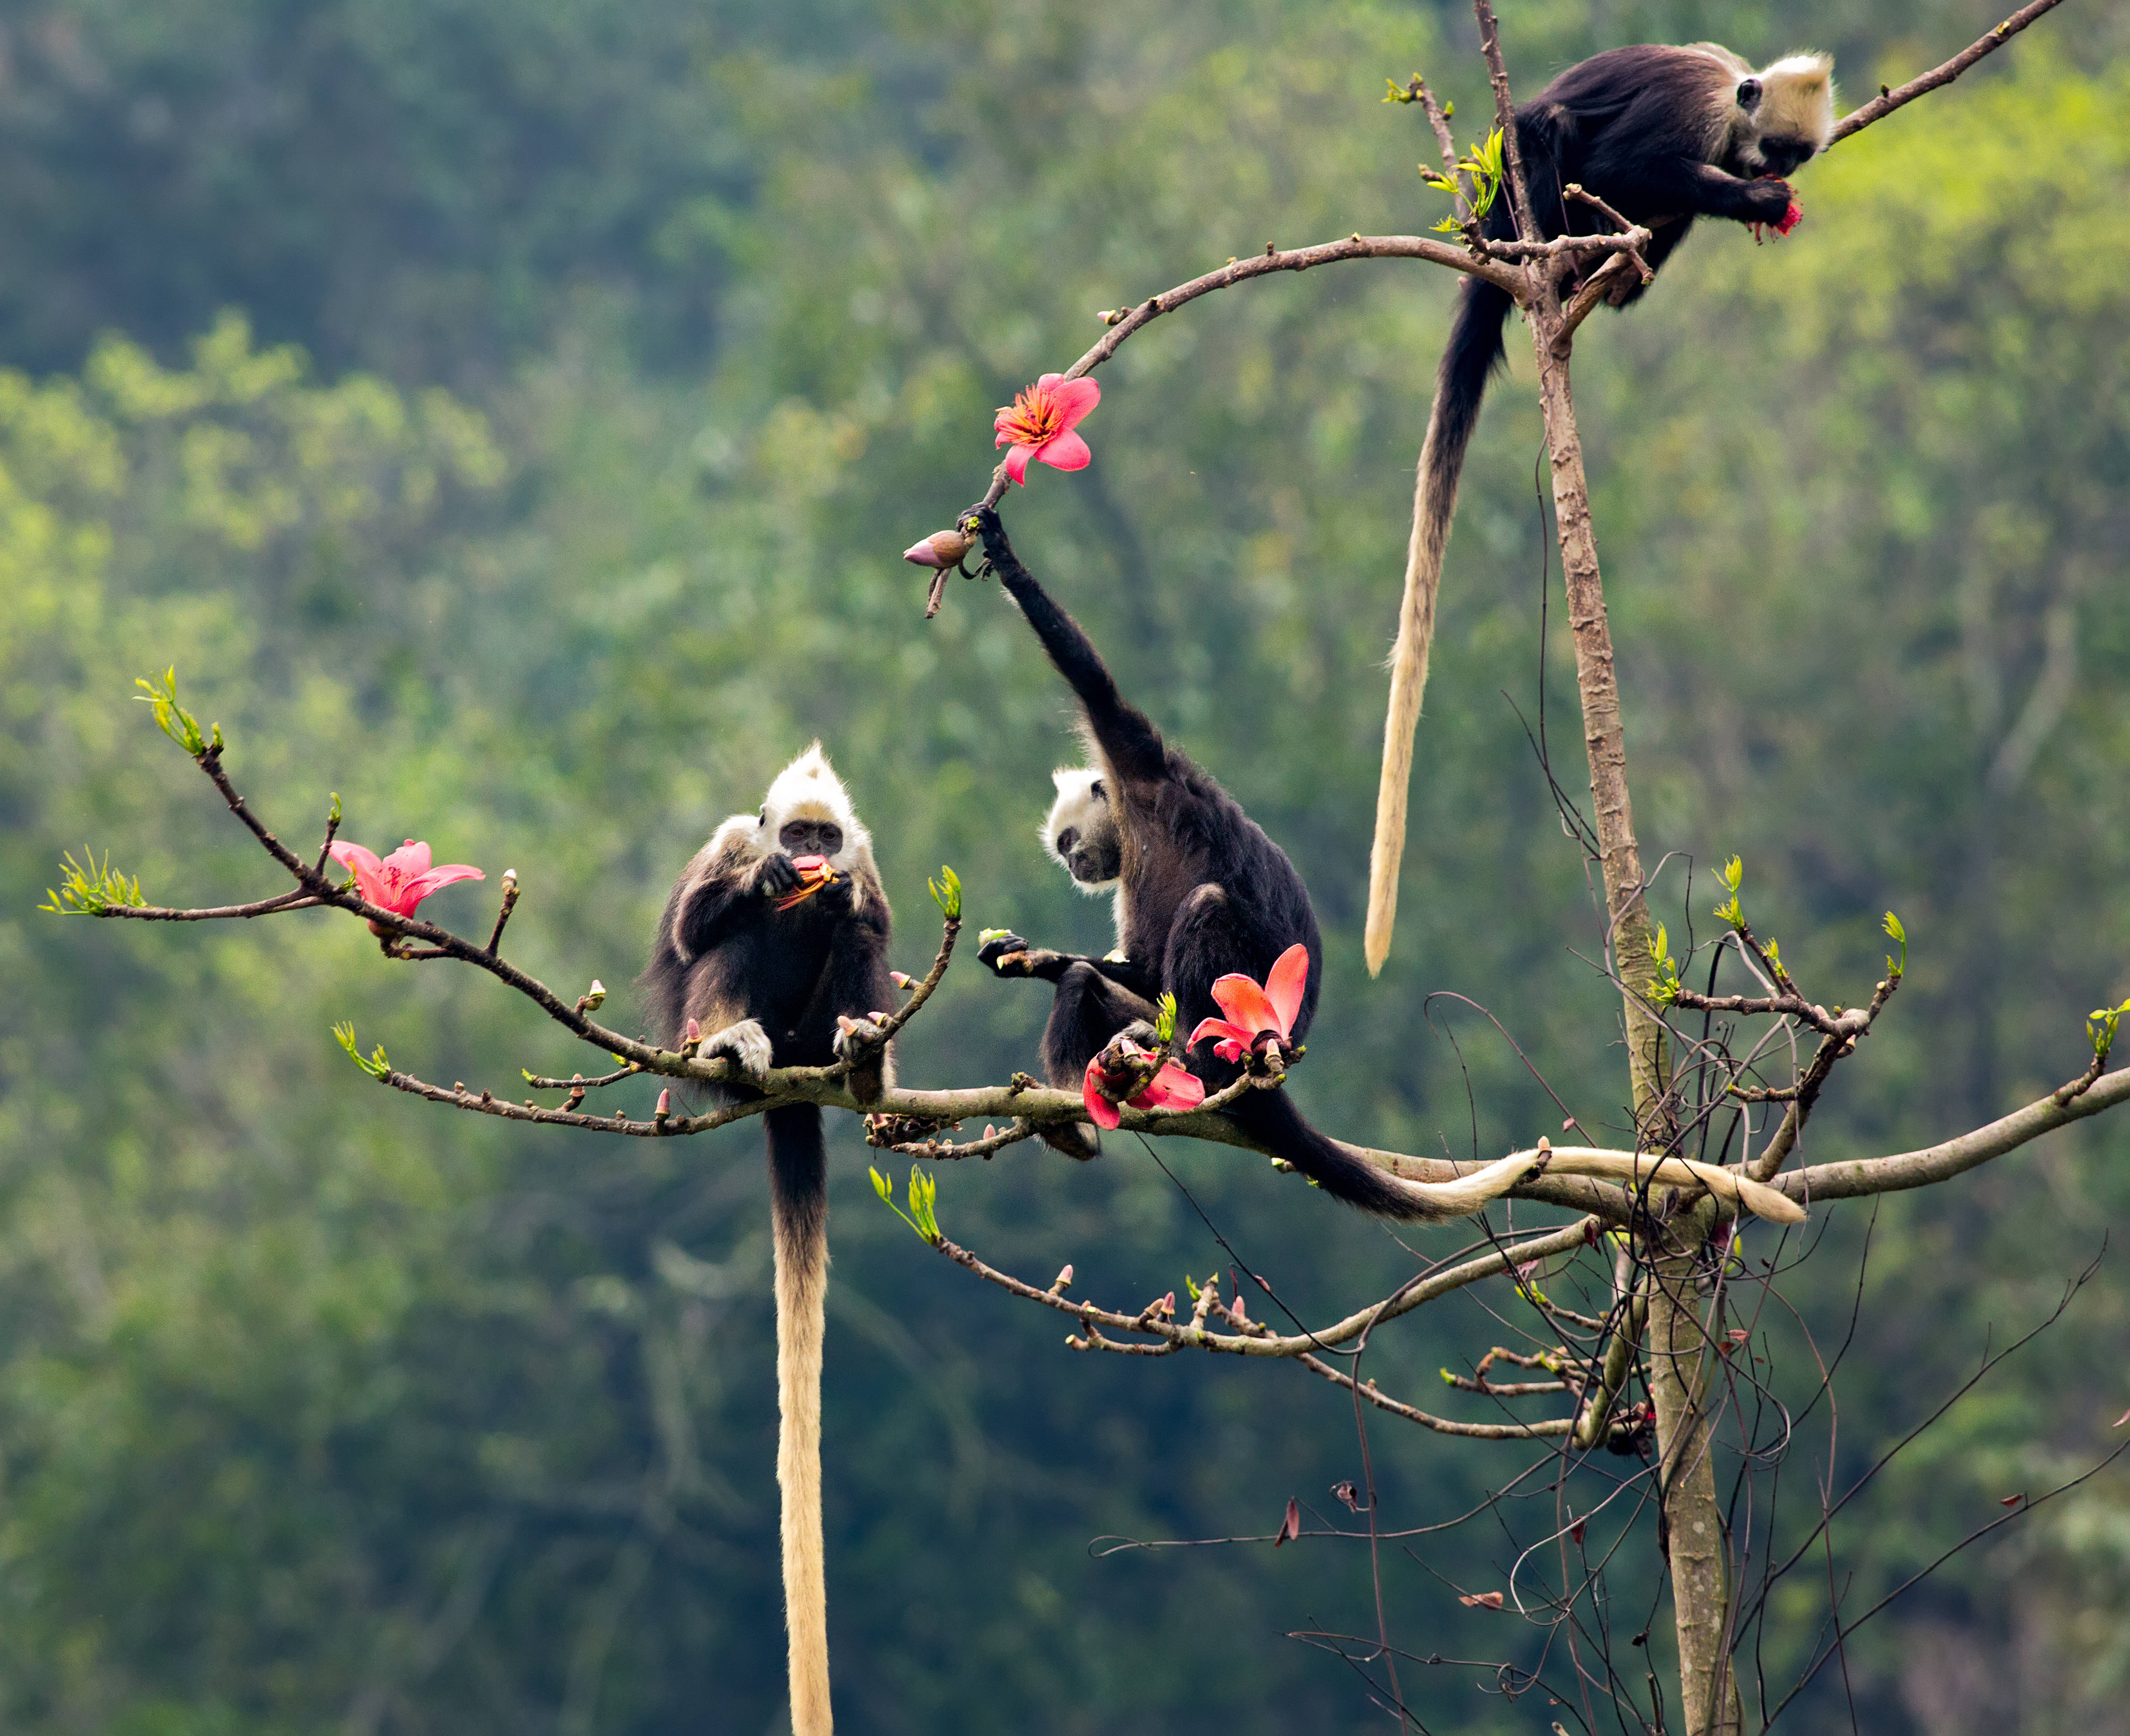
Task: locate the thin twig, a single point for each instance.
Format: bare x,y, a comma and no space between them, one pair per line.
1887,101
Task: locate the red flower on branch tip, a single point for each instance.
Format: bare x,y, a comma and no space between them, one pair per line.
402,880
1038,425
1258,1013
1172,1086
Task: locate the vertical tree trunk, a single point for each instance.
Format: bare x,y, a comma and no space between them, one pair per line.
1680,1363
1677,1348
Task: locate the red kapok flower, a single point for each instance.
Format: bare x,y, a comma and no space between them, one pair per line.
1172,1086
1791,218
402,879
1256,1013
1040,421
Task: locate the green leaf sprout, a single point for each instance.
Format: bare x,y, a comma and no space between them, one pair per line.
171,718
922,1216
947,893
376,1066
91,888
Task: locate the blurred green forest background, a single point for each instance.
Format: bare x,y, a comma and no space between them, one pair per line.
510,415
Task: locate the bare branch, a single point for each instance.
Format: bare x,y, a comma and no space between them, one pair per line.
1906,1169
1124,323
1887,101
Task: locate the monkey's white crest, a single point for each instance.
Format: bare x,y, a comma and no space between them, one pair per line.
809,789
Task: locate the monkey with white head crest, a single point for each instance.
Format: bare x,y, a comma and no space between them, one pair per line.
774,942
1664,136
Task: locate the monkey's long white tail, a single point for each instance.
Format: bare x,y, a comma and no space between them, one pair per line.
1432,502
1469,1194
800,1219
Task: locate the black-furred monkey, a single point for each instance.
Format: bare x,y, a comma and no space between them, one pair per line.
1200,892
1664,136
766,959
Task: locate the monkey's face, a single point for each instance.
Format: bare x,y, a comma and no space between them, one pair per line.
1779,156
811,836
1081,831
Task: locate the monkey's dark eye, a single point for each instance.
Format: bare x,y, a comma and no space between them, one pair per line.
1100,794
1749,93
1066,839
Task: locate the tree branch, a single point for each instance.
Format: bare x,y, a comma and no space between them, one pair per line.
1906,1169
1887,101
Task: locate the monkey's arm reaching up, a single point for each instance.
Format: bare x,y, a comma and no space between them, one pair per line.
1124,734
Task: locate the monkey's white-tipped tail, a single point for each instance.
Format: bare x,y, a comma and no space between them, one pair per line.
1432,506
802,1282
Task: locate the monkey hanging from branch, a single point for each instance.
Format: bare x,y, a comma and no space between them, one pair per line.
1663,135
774,945
1200,892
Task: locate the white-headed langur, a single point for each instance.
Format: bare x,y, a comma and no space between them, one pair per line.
774,942
1663,135
1200,892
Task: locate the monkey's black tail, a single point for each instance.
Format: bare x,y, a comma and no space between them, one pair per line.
799,1216
1271,1118
1460,384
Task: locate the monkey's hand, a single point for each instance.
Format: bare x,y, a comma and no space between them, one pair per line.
859,1044
1009,955
776,876
983,521
837,893
1770,202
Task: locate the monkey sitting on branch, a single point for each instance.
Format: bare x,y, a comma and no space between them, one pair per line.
1663,135
775,944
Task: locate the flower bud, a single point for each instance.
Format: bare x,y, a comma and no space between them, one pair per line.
694,1030
510,882
665,1105
597,997
943,549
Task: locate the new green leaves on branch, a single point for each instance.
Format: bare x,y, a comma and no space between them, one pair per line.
89,887
171,718
922,1216
1483,164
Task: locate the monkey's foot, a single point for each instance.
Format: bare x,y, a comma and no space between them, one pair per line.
1075,1138
745,1045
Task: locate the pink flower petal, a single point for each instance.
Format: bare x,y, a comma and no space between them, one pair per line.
411,858
1044,380
354,856
1065,452
421,885
1016,462
1284,987
1246,1003
1172,1087
1103,1111
923,554
1074,398
1217,1028
1230,1051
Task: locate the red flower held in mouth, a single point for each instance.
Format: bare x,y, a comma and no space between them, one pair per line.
1040,421
1258,1013
402,879
1172,1086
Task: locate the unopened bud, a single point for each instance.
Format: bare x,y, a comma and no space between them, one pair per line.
1064,1279
510,882
694,1030
902,981
943,549
597,997
665,1105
